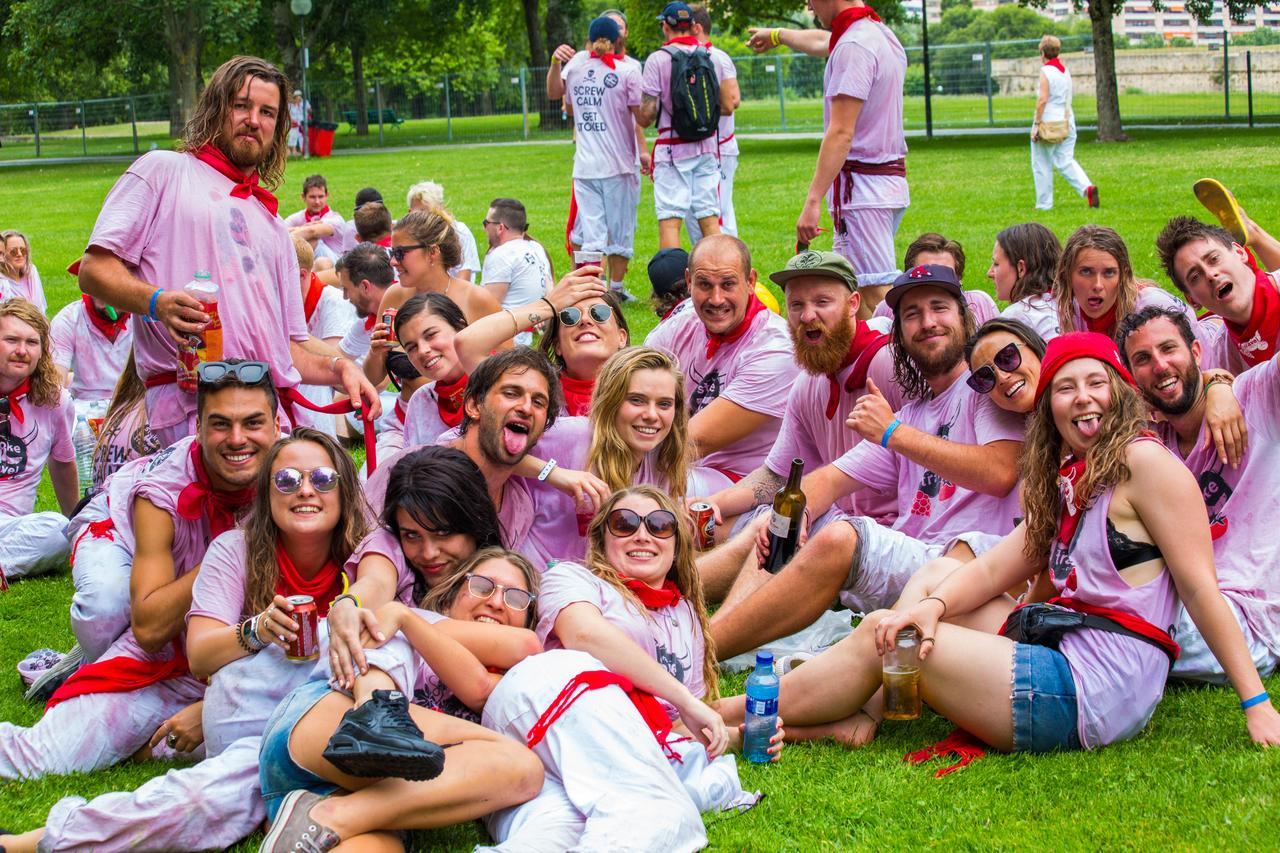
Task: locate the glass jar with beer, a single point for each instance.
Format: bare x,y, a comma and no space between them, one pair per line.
901,674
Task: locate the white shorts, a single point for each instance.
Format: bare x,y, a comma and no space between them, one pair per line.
867,241
728,219
1197,663
607,213
685,186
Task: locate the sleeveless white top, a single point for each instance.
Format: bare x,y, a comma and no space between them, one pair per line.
1059,104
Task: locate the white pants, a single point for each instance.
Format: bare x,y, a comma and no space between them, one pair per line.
607,213
32,544
686,187
1061,156
867,242
100,567
728,219
1197,661
608,785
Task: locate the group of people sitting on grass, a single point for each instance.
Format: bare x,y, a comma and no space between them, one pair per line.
515,610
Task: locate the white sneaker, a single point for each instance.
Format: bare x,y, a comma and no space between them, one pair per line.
622,294
786,663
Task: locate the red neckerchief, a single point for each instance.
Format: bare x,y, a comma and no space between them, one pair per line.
384,242
846,19
1256,340
14,396
1069,477
689,40
714,342
370,322
323,587
199,498
110,329
959,743
577,394
1056,63
865,344
609,59
308,216
666,595
245,185
314,292
449,400
1105,324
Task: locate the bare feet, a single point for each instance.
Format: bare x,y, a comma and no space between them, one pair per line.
852,732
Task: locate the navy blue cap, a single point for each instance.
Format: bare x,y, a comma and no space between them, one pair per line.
935,275
604,28
677,15
666,271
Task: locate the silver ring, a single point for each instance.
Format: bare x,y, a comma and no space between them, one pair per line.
172,740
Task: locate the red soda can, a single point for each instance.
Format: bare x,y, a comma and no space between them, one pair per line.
704,525
306,645
188,363
389,317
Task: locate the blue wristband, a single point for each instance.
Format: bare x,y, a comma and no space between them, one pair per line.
151,309
884,439
1256,700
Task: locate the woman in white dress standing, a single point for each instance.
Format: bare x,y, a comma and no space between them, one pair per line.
1053,134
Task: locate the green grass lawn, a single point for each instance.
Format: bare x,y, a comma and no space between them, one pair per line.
1190,781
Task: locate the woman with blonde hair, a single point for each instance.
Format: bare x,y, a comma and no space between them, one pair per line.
21,270
1053,133
428,195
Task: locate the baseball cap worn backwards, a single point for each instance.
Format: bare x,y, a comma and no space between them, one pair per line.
933,275
677,15
813,263
666,271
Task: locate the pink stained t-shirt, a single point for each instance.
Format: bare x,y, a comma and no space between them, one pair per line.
725,137
170,215
382,541
930,508
26,448
336,241
31,288
670,635
1243,503
422,422
656,82
1039,311
869,64
752,372
127,440
605,129
807,434
94,360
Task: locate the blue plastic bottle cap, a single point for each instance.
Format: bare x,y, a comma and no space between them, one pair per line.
764,658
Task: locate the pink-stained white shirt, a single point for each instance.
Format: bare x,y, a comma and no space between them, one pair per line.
656,82
670,635
602,98
31,288
332,318
382,541
726,70
44,434
1039,311
170,215
125,441
335,241
95,361
9,289
930,508
218,592
422,423
754,372
869,64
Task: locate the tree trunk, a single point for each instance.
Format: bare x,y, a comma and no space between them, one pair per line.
560,14
1104,69
533,28
357,80
183,30
285,29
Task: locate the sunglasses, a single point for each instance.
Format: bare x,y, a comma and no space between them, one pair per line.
660,523
397,253
600,313
248,372
516,599
1008,359
289,480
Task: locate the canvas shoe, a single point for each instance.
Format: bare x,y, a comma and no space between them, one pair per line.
1091,196
379,739
294,831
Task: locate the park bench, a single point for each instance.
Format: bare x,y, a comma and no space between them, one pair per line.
389,116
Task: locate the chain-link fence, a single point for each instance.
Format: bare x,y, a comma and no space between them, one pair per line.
985,85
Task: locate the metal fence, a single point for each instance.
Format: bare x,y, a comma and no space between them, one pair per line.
987,85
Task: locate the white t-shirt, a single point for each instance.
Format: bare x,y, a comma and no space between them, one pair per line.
470,257
523,265
94,360
727,71
602,98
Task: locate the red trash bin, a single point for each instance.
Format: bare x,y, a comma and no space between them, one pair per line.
320,138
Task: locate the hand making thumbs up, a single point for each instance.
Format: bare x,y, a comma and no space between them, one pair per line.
871,415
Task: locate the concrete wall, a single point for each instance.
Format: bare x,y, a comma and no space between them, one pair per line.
1165,71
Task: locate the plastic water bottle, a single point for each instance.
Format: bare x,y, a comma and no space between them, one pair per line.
83,441
762,710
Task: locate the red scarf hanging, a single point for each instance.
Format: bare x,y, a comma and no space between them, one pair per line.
714,342
865,344
384,242
1056,63
120,674
651,710
449,397
308,216
15,397
314,292
959,743
687,40
370,322
667,595
577,394
1073,503
609,59
199,498
846,19
245,185
1105,324
324,586
110,329
1256,340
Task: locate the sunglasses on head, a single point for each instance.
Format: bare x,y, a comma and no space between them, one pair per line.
1008,359
289,480
572,316
660,523
248,372
482,587
397,253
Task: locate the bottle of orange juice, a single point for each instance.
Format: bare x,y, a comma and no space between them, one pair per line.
207,345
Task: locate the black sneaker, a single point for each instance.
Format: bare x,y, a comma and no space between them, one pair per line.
380,739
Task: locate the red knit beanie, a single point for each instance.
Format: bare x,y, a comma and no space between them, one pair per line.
1073,345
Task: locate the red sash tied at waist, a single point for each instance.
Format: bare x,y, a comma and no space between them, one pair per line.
842,189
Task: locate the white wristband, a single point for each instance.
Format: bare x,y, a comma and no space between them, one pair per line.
546,470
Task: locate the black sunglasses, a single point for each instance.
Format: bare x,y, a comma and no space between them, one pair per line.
483,587
1008,359
397,253
625,522
248,372
600,312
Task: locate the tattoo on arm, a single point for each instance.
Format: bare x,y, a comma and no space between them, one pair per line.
764,485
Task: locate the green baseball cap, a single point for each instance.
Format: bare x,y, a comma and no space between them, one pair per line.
810,262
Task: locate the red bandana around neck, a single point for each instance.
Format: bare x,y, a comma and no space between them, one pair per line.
865,344
1105,324
714,342
314,292
1056,63
666,595
14,397
308,216
110,329
245,185
370,322
689,40
449,400
577,394
384,242
324,586
847,18
199,498
1073,503
609,59
1256,340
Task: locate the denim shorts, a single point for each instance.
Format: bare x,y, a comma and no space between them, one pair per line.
278,773
1044,701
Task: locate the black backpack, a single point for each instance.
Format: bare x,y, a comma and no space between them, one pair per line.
695,94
